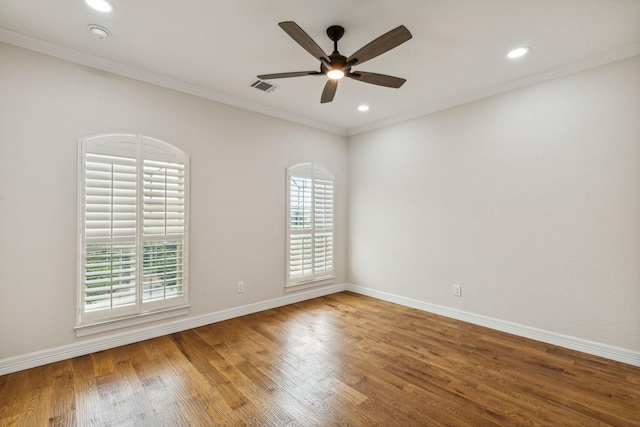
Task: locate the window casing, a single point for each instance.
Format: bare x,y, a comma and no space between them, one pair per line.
310,226
133,228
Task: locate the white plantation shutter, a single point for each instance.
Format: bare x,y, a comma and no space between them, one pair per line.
163,198
323,214
164,208
310,195
110,231
110,190
300,203
163,270
300,256
300,223
133,212
110,280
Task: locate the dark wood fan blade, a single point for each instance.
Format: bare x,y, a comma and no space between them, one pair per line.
381,45
303,39
329,91
377,79
285,75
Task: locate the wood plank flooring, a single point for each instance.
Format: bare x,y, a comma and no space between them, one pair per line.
343,359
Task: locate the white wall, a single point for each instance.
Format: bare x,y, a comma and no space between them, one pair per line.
238,162
530,200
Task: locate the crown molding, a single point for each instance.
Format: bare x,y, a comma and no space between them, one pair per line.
554,73
72,55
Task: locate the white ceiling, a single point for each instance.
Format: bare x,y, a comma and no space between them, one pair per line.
215,48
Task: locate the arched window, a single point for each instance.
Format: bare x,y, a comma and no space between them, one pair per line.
310,190
133,195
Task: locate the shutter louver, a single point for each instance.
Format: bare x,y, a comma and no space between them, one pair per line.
163,198
163,273
300,256
323,250
110,276
300,204
323,204
110,197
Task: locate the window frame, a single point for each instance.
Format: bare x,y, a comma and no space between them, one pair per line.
143,151
314,172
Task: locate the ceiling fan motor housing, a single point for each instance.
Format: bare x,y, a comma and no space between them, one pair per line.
337,61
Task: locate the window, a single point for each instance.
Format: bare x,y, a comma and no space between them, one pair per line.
310,226
133,228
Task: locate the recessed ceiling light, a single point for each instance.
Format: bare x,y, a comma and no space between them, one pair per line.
517,52
103,6
363,108
98,31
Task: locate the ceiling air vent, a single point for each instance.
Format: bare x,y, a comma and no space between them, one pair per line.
263,86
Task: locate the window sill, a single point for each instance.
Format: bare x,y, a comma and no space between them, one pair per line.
123,322
327,280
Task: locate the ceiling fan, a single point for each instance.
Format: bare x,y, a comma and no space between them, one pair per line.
336,66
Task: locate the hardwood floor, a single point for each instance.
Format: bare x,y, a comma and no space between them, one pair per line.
344,359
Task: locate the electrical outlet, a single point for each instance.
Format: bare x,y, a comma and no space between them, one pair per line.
240,287
457,290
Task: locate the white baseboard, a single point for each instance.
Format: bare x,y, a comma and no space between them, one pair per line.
590,347
80,348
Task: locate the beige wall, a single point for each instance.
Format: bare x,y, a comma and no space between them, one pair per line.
238,162
530,200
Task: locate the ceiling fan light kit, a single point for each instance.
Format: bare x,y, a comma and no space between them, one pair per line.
336,65
335,74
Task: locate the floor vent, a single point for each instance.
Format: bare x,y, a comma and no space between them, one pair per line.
263,86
